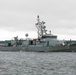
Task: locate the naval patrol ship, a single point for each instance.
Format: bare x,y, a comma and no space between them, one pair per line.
46,42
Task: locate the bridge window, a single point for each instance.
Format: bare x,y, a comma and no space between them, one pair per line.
49,36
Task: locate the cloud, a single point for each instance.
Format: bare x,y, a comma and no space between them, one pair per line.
20,15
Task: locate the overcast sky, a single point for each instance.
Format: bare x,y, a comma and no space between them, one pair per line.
18,17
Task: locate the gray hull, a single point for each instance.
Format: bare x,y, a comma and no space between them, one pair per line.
40,48
46,48
36,48
10,48
59,49
27,48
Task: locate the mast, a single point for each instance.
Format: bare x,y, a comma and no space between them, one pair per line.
40,27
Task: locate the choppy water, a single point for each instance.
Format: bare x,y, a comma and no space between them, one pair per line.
36,63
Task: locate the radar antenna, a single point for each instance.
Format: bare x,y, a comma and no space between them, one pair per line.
40,27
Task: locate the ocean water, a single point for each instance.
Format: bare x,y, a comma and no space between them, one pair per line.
37,63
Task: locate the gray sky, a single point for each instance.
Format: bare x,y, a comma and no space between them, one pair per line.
18,17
